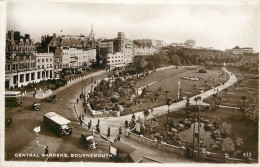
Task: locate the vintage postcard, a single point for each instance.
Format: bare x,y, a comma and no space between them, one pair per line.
157,82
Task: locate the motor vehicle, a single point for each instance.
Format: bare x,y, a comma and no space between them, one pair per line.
88,141
57,124
52,98
36,106
123,152
8,122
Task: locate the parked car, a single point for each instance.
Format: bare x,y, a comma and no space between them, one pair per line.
88,141
36,106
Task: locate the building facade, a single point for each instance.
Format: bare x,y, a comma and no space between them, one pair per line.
237,50
115,60
22,64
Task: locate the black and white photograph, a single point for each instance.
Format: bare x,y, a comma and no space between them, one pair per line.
158,82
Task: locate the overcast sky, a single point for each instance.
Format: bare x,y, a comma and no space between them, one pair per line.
220,26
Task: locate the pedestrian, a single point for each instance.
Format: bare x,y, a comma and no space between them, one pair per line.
82,117
217,90
115,140
90,122
108,132
98,122
46,150
77,100
133,116
89,125
80,121
126,123
118,137
120,131
85,110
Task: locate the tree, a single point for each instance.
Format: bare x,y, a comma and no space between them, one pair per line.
225,129
194,86
175,59
228,145
251,111
205,84
244,99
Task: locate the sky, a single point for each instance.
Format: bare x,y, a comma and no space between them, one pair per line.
219,25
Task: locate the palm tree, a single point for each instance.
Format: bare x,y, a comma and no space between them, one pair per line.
244,99
205,84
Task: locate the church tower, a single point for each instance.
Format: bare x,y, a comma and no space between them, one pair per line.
92,35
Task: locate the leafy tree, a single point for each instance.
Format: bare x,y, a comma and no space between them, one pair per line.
228,145
225,129
251,111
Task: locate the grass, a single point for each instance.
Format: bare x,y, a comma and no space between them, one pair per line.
168,81
248,88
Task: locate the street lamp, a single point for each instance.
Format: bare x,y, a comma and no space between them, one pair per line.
166,94
168,103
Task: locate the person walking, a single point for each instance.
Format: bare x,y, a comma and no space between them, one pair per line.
82,117
98,122
77,100
133,116
108,132
120,130
46,150
89,126
118,137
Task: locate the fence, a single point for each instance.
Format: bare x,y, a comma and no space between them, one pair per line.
204,155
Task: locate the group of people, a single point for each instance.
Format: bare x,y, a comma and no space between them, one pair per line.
81,118
119,134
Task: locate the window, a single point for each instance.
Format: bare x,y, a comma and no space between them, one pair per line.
38,60
43,60
39,67
42,66
50,60
46,60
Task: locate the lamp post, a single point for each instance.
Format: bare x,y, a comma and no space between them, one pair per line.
168,103
166,94
199,135
179,86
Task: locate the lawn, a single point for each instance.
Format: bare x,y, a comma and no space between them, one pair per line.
167,80
246,86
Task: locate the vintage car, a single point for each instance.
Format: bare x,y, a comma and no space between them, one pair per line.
88,141
36,106
123,152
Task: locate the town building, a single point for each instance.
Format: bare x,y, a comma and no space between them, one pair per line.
69,48
115,60
237,50
44,67
21,66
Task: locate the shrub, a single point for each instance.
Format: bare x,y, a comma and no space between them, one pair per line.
228,145
202,71
225,129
